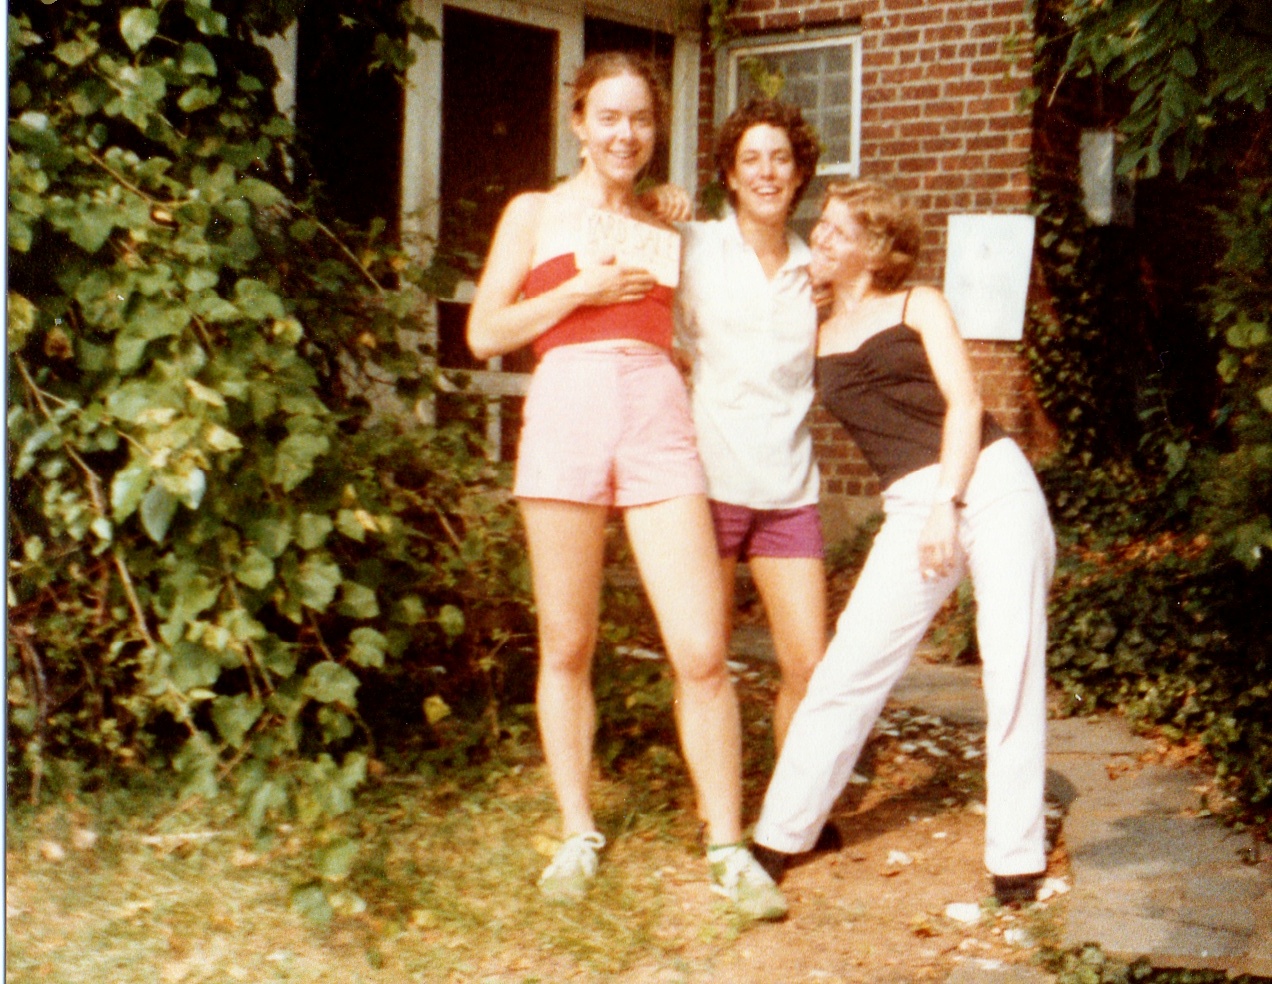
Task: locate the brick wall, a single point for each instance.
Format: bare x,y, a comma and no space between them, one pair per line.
942,122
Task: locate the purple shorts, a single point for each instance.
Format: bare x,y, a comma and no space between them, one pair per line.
743,532
608,425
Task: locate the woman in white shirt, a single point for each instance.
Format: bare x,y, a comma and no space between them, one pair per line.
748,325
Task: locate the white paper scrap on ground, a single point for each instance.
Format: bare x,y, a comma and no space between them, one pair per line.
967,913
987,264
632,244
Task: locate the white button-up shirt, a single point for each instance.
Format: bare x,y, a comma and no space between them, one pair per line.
752,344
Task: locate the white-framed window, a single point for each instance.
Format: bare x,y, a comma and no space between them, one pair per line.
819,72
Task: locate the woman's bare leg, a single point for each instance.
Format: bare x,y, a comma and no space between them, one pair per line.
674,544
793,590
566,542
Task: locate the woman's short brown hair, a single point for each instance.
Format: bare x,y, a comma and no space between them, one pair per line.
781,116
889,220
611,64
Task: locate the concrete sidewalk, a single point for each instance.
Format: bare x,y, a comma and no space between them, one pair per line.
1150,876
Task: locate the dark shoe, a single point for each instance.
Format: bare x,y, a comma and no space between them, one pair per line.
1014,890
829,840
774,862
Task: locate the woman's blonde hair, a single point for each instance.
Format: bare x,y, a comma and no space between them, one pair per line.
891,223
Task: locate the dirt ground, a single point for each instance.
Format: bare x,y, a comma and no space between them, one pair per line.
95,896
112,888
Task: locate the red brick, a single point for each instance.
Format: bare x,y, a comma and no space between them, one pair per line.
963,162
900,111
1012,160
989,106
925,91
901,39
922,128
897,76
920,18
951,68
971,87
996,29
945,32
942,145
987,180
952,181
997,141
917,165
943,107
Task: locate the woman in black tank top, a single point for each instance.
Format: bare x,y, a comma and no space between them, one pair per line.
959,498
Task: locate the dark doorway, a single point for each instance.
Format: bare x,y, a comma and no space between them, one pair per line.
348,118
497,122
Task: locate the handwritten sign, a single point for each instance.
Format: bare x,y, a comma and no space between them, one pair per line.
987,261
632,244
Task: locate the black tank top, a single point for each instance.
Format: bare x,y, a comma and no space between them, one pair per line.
886,396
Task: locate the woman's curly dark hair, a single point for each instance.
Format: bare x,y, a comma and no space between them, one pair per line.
782,116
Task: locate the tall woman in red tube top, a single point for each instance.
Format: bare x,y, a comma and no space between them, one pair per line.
607,425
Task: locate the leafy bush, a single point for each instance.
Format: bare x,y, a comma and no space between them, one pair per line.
227,529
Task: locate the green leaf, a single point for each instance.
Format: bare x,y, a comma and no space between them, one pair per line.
318,580
197,60
255,569
312,530
198,97
358,601
261,193
348,524
331,683
1265,398
138,25
75,52
367,647
193,666
295,459
127,488
337,860
256,300
310,903
451,619
234,717
158,506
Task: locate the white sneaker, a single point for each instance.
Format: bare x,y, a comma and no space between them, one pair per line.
573,866
737,876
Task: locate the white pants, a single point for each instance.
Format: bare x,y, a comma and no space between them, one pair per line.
1008,547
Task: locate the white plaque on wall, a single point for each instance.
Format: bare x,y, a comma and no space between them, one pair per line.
987,263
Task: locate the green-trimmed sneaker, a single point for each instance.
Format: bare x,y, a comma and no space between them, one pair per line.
572,868
737,876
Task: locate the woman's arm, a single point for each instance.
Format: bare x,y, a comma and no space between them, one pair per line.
500,320
930,314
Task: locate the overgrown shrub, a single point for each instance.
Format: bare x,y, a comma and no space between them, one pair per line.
227,529
1160,491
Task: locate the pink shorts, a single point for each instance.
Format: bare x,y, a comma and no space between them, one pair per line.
743,532
608,426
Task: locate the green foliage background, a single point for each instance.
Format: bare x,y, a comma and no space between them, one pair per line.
235,551
1161,486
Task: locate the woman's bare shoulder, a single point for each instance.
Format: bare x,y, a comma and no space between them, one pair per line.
925,305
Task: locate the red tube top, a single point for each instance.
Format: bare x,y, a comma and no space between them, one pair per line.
647,320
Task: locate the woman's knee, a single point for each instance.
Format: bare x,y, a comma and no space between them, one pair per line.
566,647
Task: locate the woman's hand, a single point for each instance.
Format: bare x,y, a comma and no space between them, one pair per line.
938,541
609,283
669,202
